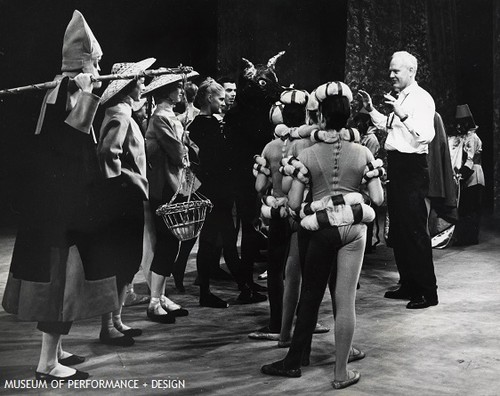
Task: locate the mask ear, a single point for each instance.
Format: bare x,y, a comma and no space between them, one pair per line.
250,70
271,63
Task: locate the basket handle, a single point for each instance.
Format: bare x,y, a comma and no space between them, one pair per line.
182,179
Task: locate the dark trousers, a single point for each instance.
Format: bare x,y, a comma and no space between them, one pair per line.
407,188
319,249
247,209
469,216
218,224
279,244
167,245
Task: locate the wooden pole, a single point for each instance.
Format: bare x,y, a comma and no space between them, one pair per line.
108,77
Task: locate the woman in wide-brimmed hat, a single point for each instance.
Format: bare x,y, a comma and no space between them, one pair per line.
169,152
122,159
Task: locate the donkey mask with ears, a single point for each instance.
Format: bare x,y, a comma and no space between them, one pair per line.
258,85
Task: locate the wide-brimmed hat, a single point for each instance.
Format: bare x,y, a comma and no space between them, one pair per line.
116,86
166,79
80,47
333,88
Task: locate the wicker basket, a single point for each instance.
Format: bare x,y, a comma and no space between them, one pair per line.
185,219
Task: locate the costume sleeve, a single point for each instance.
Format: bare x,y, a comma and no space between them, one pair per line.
472,147
110,148
82,115
167,139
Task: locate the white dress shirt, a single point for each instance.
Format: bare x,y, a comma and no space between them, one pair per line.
417,131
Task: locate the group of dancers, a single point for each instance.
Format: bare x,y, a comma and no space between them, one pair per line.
81,244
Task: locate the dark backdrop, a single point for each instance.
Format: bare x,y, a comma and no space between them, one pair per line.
453,42
312,33
31,34
210,35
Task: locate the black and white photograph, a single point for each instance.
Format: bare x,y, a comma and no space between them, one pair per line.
250,197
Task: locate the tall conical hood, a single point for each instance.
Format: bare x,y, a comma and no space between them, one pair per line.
80,47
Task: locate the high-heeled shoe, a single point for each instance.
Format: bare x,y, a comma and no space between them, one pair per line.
348,382
79,375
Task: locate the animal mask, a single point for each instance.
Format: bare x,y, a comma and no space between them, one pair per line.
258,84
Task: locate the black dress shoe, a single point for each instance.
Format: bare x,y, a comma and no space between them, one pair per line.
72,360
116,341
167,318
250,297
131,332
179,312
398,294
79,375
278,368
421,302
212,301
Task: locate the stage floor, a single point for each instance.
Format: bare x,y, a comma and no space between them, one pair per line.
450,349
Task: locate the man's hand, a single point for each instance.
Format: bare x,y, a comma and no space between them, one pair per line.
367,100
396,107
84,82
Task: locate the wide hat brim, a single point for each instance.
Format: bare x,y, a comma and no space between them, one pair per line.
116,86
166,79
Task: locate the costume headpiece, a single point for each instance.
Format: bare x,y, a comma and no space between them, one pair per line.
332,89
464,114
294,96
80,47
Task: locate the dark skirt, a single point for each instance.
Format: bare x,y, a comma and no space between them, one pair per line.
51,278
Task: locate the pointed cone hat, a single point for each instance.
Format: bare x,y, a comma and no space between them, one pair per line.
80,47
463,112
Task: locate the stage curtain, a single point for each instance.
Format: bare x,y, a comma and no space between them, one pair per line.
425,28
